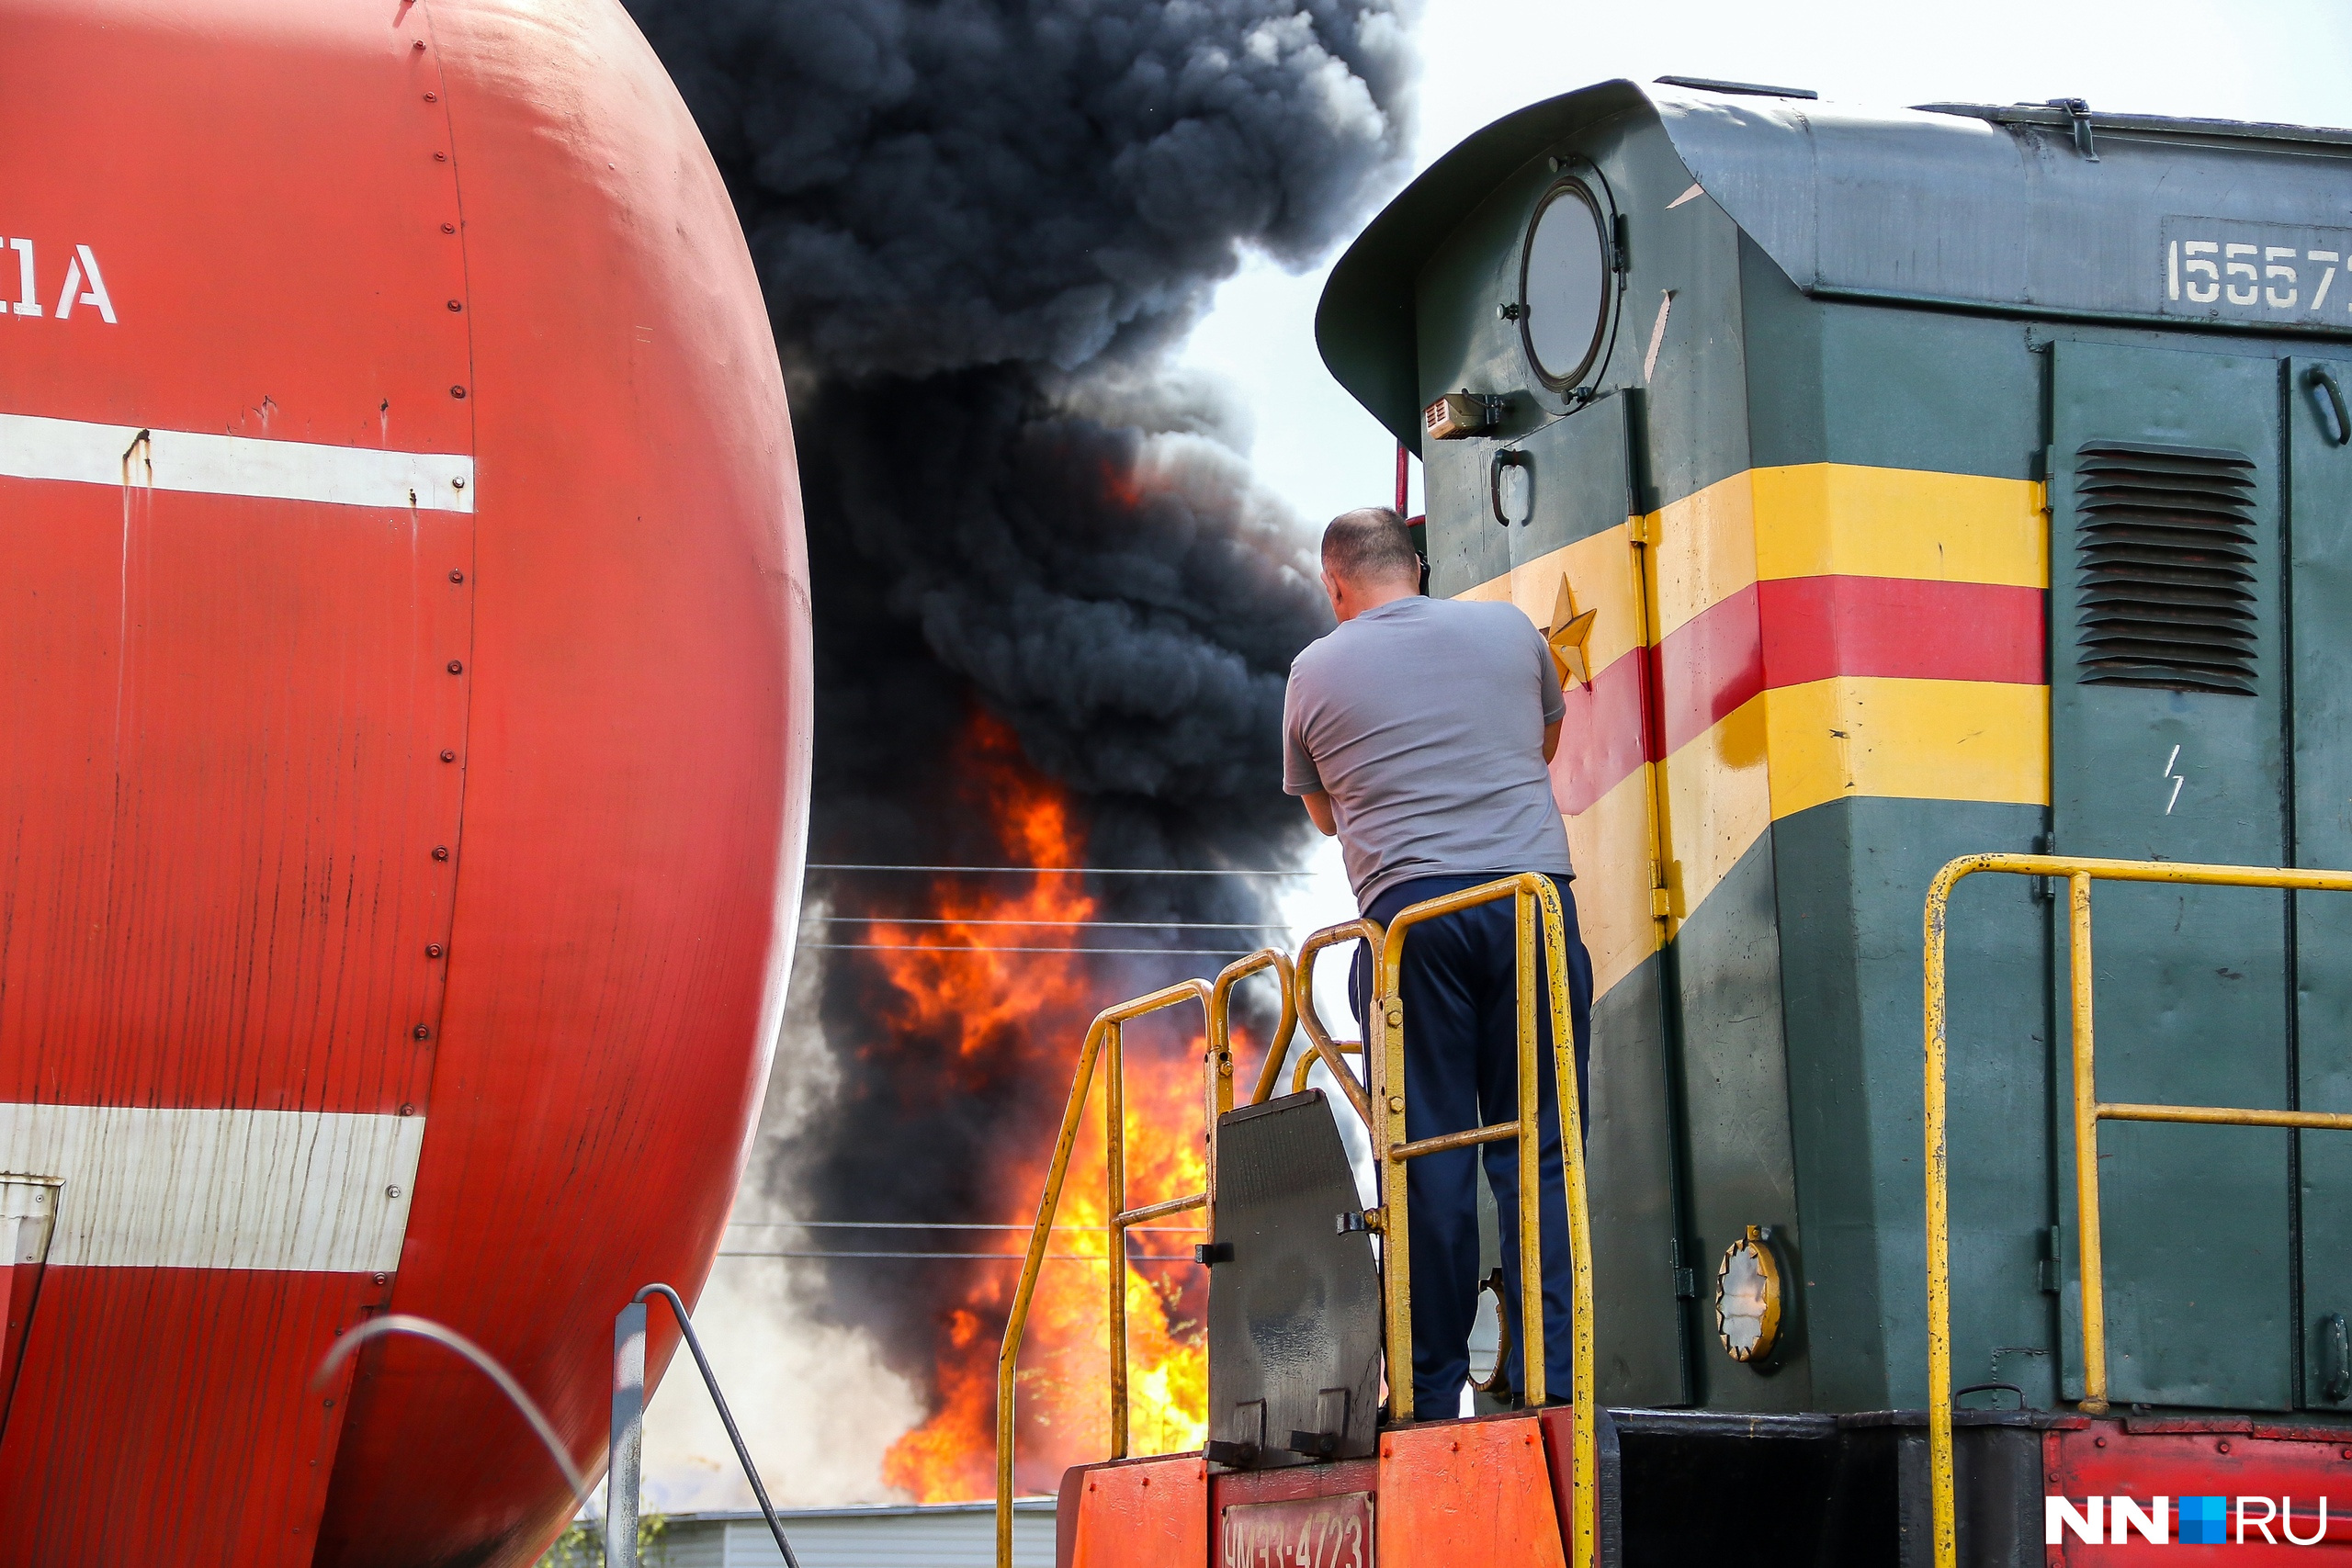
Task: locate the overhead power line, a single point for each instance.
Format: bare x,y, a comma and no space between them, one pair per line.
943,1225
937,1225
1060,870
962,1257
924,947
1077,925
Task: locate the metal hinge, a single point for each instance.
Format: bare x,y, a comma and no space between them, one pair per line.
1637,529
2078,113
1685,1280
2050,1243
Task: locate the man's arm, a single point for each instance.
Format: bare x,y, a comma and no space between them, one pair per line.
1551,743
1318,806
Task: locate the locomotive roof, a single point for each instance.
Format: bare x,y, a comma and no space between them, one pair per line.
1969,206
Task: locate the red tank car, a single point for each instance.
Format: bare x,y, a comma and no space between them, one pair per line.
404,753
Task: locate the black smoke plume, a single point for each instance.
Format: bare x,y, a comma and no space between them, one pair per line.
981,224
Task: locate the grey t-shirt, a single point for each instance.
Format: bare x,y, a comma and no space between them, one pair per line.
1423,719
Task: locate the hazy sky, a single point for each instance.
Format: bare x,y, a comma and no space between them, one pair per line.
2288,61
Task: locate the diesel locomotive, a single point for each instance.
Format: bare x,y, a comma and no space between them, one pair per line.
1897,485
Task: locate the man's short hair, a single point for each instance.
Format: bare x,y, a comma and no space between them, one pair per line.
1370,544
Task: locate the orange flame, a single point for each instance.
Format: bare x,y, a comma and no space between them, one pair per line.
1027,1012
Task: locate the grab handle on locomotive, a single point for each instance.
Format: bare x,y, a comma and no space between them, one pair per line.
2319,378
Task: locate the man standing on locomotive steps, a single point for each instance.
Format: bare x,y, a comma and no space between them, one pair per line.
1418,730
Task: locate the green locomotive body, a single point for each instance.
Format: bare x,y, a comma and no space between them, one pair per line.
1946,481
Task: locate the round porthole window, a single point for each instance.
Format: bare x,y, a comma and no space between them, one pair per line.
1563,284
1747,1298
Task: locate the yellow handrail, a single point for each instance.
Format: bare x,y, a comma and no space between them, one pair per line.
1319,1038
1221,1024
1533,896
1535,899
2089,1111
1219,1099
1306,1063
1103,1041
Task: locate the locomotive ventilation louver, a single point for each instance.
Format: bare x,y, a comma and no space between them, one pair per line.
2167,556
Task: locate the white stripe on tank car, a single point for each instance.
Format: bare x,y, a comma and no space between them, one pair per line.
308,1192
36,448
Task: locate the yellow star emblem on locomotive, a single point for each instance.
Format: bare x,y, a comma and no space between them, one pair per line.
1568,634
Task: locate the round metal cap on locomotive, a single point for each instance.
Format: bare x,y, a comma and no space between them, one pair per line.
348,350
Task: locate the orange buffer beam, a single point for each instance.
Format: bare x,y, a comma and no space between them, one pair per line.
1441,1495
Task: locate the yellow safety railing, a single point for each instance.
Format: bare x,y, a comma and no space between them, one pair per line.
1536,902
1533,898
1220,1098
1306,1064
1321,1046
2089,1111
1105,1047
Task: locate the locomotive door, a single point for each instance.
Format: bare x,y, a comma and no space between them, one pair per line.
1566,487
2319,530
2167,696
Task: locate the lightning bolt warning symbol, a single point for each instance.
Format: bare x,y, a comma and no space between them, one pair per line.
2177,780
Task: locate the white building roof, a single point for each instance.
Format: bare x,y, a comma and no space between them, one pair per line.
936,1535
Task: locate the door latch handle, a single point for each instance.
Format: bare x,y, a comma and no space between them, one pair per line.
2319,378
2334,1359
1508,483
